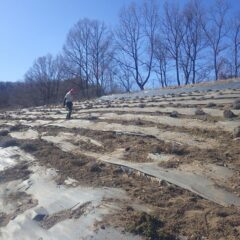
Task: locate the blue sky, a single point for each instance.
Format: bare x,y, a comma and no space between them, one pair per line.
33,28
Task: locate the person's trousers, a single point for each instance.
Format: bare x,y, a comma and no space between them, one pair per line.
69,108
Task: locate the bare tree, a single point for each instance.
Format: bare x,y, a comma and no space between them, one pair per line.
5,94
173,33
186,50
88,53
215,28
101,54
43,78
193,41
135,39
235,43
124,76
77,53
161,58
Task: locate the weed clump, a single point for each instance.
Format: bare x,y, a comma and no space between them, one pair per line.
174,114
169,164
9,143
15,128
142,105
170,148
228,114
199,112
236,104
29,147
148,226
211,104
4,133
236,132
95,168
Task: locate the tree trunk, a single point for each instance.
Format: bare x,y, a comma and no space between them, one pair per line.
194,72
177,70
236,61
215,67
141,86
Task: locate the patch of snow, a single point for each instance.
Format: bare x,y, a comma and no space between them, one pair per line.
71,182
11,156
29,134
53,198
160,157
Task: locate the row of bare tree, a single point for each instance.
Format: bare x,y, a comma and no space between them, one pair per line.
86,60
199,43
189,43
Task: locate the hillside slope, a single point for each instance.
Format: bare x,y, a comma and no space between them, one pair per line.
157,164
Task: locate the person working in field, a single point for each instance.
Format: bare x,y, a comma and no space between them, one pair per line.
68,102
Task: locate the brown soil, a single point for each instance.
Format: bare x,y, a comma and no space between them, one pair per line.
137,149
169,164
157,209
180,211
50,220
20,171
24,202
205,117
